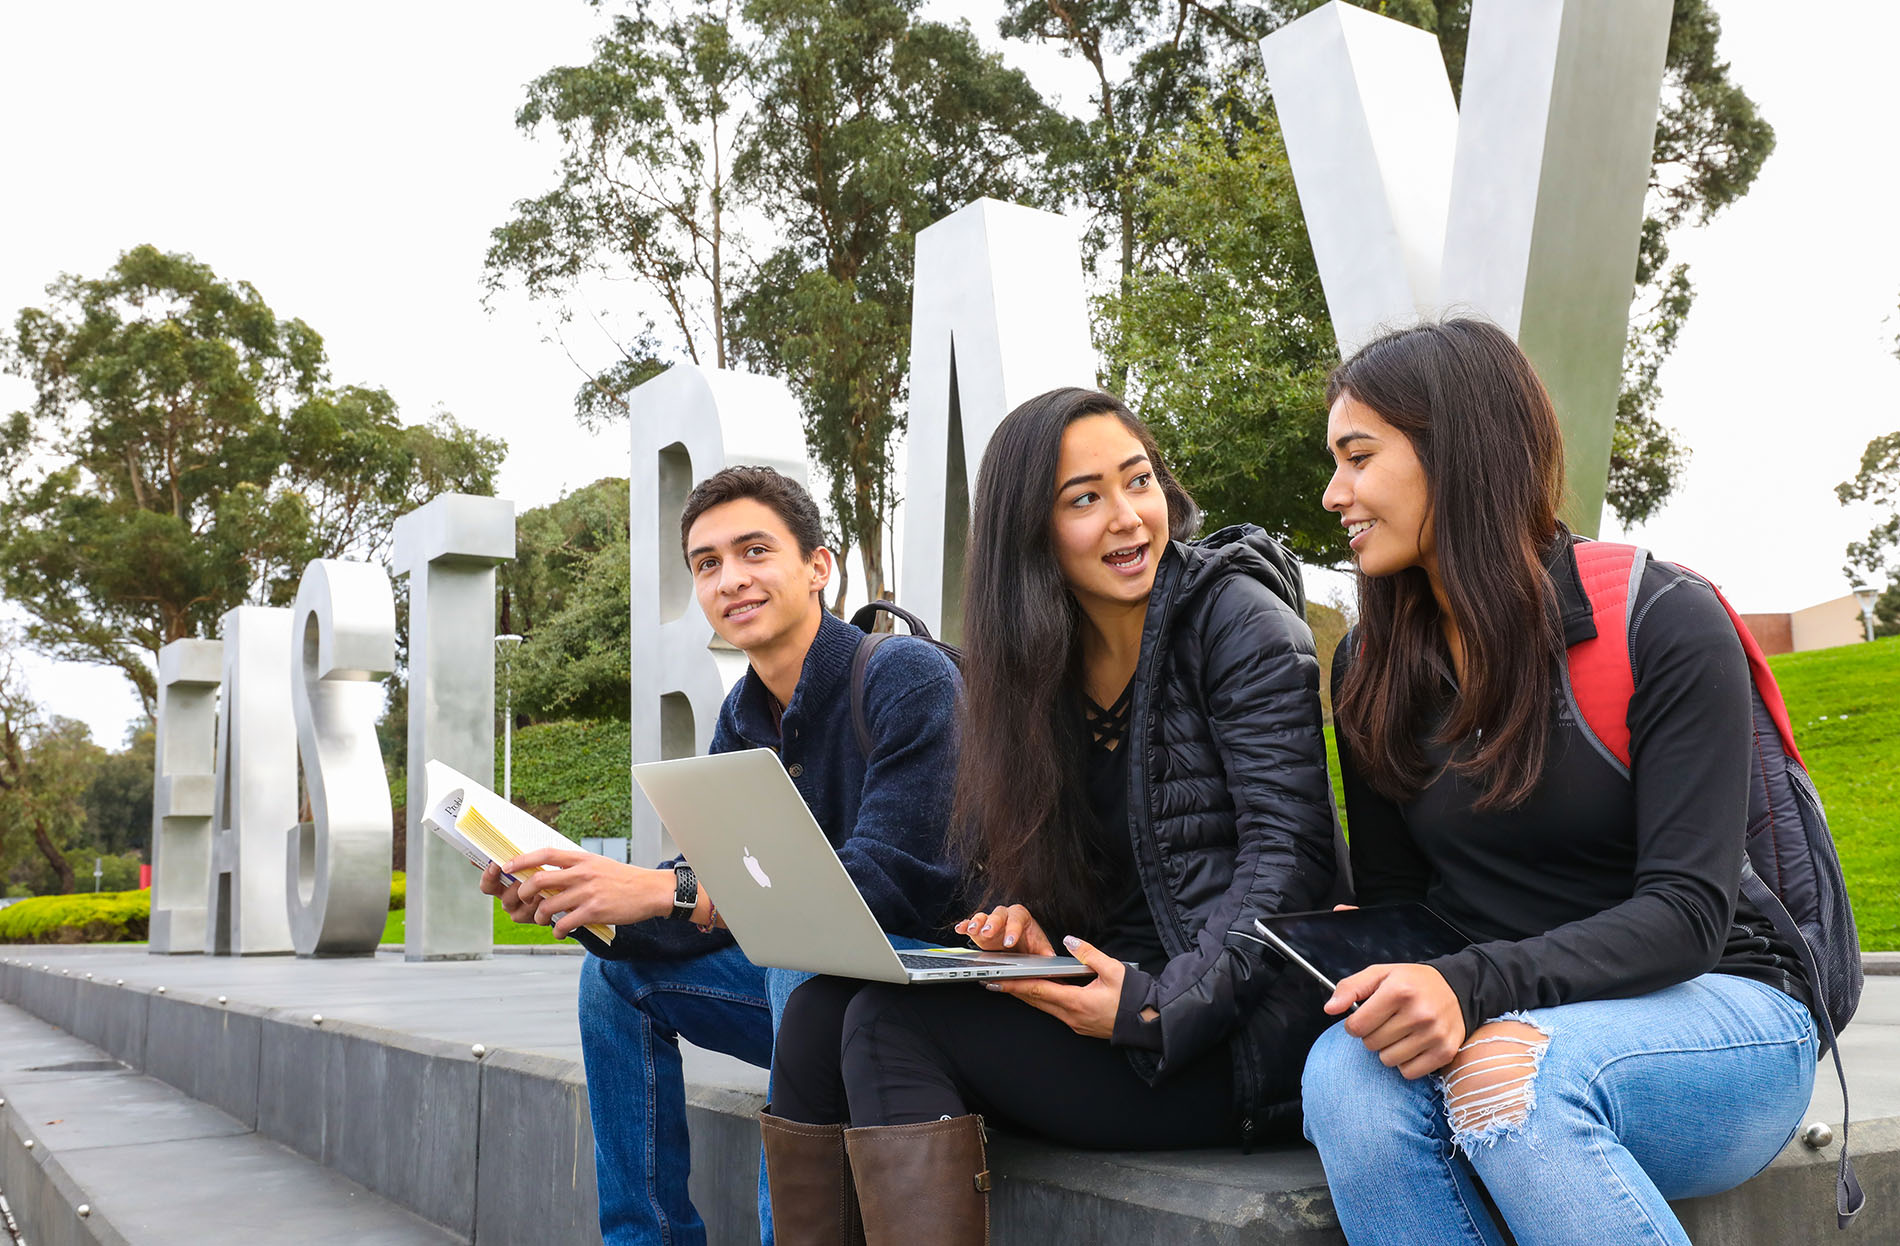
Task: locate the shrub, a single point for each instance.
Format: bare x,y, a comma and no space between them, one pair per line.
398,890
102,917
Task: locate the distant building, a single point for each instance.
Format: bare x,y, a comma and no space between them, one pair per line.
1831,623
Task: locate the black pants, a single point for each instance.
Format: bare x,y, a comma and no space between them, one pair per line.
870,1054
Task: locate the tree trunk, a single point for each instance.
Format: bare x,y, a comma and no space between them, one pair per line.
54,857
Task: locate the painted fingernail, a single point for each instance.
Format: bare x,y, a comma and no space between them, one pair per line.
1010,941
1071,942
987,929
991,986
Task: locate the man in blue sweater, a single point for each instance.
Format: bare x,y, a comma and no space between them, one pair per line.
753,543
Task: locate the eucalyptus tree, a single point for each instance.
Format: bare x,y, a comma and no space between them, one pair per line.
869,124
646,132
184,453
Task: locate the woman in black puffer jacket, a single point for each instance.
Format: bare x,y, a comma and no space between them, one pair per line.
1143,774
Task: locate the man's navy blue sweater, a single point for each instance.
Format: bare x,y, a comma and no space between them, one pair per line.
886,814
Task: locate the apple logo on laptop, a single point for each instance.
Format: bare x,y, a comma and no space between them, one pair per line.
757,871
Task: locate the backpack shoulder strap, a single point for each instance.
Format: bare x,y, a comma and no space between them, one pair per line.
860,663
1758,670
1601,672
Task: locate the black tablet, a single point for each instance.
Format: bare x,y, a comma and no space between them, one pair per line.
1332,945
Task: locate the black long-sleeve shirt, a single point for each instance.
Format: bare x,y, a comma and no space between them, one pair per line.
1596,886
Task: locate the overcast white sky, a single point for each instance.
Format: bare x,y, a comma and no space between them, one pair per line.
349,161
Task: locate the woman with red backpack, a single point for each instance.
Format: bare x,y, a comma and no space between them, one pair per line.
1626,1028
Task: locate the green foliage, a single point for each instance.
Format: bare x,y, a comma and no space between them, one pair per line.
578,771
579,663
553,544
1876,559
506,930
1845,706
398,891
119,798
185,453
1224,336
567,592
107,917
45,771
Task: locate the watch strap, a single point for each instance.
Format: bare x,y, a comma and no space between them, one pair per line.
685,892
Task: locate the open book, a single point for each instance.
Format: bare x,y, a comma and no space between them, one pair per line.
487,829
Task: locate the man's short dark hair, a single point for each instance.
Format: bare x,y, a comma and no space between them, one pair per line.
785,496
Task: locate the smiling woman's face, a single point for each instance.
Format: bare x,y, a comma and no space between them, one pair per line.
1378,490
1110,523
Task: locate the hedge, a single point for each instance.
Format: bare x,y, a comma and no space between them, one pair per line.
90,917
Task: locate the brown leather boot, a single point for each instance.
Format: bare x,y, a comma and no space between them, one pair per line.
922,1185
813,1202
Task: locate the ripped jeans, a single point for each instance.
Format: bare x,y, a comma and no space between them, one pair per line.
1580,1126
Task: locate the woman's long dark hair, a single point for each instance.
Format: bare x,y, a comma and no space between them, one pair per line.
1482,425
1021,813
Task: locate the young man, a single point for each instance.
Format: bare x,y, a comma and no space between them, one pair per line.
753,543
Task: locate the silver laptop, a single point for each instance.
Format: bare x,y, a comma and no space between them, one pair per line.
782,890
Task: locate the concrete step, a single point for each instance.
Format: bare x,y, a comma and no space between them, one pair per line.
92,1152
496,1147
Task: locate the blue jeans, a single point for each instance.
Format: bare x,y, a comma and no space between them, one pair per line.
1684,1092
633,1014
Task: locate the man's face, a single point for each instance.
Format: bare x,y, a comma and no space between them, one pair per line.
753,584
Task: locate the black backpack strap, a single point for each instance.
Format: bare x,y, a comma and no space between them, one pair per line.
865,620
1848,1196
860,663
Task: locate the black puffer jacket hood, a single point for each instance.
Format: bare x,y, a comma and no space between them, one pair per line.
1240,549
1230,809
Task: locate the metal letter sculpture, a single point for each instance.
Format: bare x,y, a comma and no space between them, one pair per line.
256,789
189,672
449,549
1528,209
999,315
688,423
343,634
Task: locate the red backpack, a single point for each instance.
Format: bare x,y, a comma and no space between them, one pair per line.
1790,871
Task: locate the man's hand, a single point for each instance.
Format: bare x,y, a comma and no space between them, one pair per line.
590,889
1008,929
1088,1010
1407,1014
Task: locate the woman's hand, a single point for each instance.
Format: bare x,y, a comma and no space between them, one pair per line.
1408,1014
1088,1010
1008,929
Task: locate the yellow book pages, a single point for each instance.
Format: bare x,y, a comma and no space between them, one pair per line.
484,835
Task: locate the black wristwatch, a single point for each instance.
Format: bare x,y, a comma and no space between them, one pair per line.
685,892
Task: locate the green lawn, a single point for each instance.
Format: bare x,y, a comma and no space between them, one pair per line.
506,931
1845,705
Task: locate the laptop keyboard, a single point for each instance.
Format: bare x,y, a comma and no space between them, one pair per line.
919,960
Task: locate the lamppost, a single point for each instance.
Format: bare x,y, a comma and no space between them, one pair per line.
505,646
1867,595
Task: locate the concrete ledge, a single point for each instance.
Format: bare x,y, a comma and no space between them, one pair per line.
206,1049
1880,963
537,1152
393,1111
